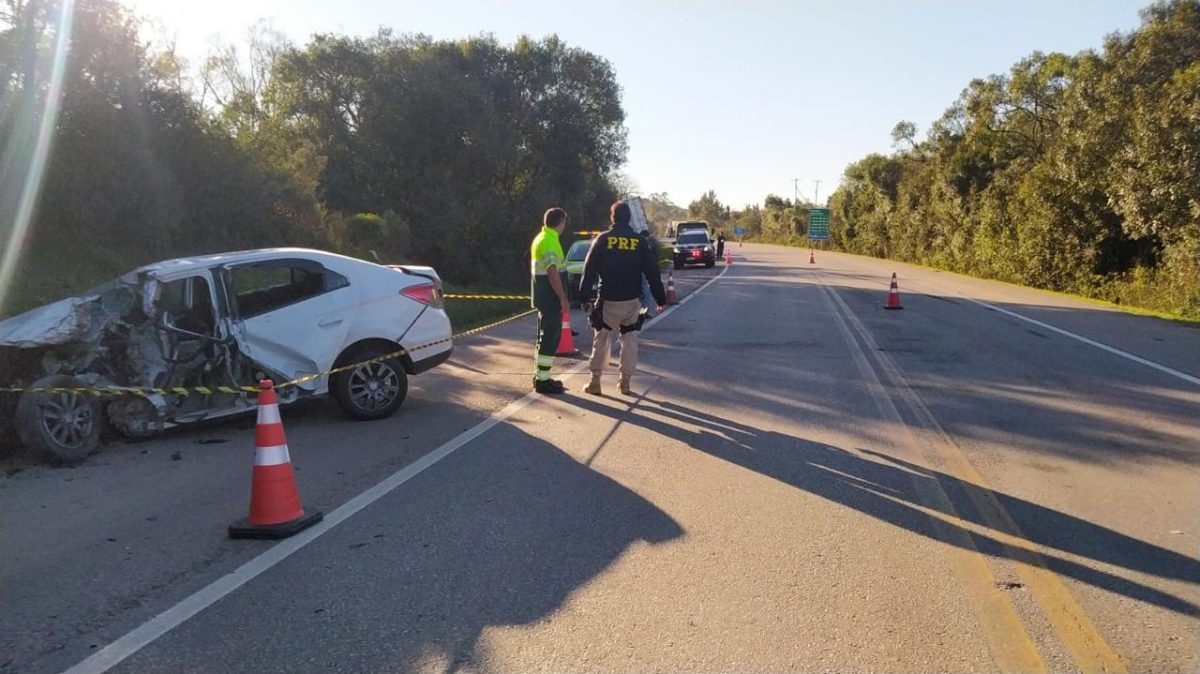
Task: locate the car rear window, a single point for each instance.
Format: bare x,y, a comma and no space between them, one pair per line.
693,237
579,250
267,286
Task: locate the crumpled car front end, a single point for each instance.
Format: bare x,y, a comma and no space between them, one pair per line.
121,334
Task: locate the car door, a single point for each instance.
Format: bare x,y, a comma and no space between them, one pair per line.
291,315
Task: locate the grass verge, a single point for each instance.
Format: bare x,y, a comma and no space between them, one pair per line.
468,314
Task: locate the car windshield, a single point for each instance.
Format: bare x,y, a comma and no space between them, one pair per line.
693,237
578,251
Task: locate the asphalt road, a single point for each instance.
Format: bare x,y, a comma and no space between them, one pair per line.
993,479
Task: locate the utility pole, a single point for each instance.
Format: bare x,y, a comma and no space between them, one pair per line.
816,192
796,193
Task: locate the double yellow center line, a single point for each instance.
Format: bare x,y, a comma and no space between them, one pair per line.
1010,642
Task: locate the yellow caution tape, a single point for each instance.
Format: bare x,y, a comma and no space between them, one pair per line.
212,390
485,297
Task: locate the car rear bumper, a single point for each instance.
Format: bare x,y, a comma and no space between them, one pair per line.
430,362
683,260
429,340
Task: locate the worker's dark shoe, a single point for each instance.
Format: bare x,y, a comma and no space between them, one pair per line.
548,386
625,390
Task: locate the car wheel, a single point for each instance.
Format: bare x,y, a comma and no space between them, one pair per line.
679,265
709,264
64,425
371,391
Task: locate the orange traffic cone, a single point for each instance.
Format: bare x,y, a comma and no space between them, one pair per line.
672,297
812,258
728,257
893,301
566,343
275,510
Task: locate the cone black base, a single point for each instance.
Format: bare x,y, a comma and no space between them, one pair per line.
243,529
893,308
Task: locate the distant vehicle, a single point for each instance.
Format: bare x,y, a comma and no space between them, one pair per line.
576,255
213,322
637,215
693,247
690,225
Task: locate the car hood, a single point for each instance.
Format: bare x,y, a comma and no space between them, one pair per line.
75,319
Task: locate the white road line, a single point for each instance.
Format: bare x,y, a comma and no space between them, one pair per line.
1066,333
1091,342
149,631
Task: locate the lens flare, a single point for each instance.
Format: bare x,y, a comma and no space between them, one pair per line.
32,137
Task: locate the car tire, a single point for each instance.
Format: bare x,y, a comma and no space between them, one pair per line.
64,426
709,264
371,391
679,265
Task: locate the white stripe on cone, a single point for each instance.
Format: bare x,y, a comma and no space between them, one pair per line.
271,456
268,414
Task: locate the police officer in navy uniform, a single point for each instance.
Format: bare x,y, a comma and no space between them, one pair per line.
619,258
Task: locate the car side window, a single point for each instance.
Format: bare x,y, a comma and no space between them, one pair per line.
188,304
267,286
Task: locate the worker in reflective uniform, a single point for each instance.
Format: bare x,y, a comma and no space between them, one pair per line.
619,259
549,296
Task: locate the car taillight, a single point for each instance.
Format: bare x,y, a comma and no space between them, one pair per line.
425,293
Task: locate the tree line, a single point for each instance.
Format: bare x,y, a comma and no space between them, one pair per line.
399,147
1075,173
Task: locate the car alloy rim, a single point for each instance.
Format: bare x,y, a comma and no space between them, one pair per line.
67,419
374,386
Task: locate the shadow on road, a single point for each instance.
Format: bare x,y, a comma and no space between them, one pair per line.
888,489
514,527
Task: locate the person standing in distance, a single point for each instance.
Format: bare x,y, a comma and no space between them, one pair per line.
549,296
619,259
720,245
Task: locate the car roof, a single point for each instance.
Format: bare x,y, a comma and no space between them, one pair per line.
184,264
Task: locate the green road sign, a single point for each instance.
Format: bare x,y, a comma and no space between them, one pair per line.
818,224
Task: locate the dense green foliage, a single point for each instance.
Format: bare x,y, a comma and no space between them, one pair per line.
1076,173
433,152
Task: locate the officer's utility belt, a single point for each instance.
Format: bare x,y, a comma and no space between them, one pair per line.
596,319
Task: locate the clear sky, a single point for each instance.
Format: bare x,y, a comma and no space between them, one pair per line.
737,97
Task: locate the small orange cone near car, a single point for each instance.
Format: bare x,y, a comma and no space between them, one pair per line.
728,258
672,296
566,342
893,300
275,510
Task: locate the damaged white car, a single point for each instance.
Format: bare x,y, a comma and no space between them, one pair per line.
227,320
